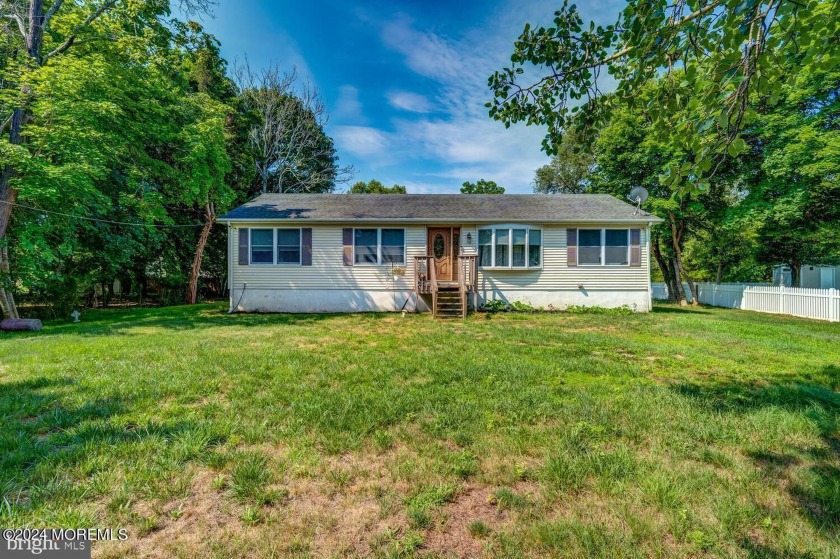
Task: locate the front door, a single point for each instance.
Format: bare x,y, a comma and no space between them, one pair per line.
443,246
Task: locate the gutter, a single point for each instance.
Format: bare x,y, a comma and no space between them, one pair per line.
646,220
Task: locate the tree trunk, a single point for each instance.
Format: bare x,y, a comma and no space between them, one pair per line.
667,272
795,271
7,301
210,217
719,272
679,270
679,290
8,195
695,299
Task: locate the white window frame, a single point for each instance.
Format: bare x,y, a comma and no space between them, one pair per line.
274,247
379,261
509,229
603,263
277,246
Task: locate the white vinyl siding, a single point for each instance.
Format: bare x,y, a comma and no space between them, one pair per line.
329,272
555,274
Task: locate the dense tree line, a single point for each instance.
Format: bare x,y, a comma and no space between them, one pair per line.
777,203
123,135
727,111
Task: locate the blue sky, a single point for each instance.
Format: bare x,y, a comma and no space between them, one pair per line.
405,82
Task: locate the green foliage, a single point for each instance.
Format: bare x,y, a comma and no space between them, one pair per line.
498,305
136,122
478,529
373,186
582,309
569,170
704,112
481,187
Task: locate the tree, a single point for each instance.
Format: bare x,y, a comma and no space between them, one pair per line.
569,170
45,33
629,153
731,52
292,153
204,159
481,187
792,203
373,186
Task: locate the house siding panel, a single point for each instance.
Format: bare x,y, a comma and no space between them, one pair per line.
556,283
328,270
556,274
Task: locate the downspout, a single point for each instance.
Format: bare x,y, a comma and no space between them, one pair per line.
231,279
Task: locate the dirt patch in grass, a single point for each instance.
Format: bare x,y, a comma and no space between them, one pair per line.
474,504
204,515
343,510
343,523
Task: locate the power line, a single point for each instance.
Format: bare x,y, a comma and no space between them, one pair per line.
108,221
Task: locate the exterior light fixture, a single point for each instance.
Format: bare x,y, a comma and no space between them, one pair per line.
469,238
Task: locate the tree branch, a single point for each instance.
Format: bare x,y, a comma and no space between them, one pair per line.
72,38
51,12
19,20
613,57
6,122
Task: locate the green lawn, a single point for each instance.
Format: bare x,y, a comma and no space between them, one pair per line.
687,433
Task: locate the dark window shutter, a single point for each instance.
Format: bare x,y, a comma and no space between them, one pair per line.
243,246
347,241
306,242
571,247
636,248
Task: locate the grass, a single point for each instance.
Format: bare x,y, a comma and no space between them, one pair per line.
682,433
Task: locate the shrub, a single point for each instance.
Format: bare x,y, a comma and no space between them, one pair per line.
580,309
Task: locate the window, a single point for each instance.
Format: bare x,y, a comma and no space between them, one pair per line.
597,247
393,246
589,247
616,247
485,248
262,246
288,246
276,246
379,246
509,247
519,247
502,247
366,246
534,248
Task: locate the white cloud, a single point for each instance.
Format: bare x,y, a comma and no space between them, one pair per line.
348,107
426,53
361,140
461,137
476,148
408,101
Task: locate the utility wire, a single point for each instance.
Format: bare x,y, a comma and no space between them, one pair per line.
108,221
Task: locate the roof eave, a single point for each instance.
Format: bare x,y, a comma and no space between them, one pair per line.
642,219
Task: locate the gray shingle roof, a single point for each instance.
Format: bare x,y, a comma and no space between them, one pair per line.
462,208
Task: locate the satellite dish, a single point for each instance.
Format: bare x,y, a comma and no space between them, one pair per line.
638,196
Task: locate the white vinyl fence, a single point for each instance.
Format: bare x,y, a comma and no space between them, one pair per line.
819,304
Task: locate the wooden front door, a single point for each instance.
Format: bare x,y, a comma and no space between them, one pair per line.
443,245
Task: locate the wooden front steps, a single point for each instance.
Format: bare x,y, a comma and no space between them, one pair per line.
450,303
448,297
